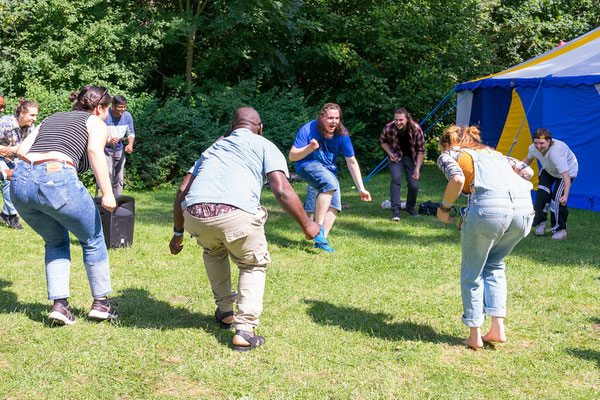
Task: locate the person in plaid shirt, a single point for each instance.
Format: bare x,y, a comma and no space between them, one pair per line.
403,141
13,129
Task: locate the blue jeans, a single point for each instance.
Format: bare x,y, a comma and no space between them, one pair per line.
53,203
320,179
492,227
8,207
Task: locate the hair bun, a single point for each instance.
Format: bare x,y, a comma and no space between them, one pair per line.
73,96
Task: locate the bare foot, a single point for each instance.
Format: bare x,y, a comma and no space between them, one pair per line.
494,337
496,333
474,340
240,341
227,320
473,344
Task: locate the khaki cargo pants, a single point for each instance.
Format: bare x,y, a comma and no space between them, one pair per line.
240,236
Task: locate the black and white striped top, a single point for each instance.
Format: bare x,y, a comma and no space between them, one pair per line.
65,132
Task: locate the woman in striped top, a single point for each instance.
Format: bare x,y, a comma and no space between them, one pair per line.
49,196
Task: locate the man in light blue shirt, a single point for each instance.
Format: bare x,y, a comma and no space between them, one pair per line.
218,203
120,126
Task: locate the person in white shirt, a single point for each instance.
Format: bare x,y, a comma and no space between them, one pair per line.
559,169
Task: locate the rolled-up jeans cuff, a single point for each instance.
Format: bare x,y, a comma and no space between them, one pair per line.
496,312
473,323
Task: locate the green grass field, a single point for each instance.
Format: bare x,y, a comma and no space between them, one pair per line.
380,319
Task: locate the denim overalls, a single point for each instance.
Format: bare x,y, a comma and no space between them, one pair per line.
499,215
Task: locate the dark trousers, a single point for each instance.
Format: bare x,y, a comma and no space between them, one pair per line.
405,165
550,190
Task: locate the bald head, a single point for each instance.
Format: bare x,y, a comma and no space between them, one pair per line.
247,117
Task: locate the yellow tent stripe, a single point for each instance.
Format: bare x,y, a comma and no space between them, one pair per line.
516,115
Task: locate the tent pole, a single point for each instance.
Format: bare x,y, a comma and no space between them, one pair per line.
526,114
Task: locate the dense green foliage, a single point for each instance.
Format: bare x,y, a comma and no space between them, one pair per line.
288,56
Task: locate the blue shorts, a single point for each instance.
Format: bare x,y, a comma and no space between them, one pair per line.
320,180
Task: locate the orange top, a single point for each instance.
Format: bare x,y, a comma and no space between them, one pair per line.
465,162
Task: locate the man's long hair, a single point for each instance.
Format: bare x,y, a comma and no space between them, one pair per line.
391,138
340,129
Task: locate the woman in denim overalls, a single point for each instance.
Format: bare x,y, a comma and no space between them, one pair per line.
499,215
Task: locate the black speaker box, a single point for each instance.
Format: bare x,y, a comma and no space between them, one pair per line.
118,225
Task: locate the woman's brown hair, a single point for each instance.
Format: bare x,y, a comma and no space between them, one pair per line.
90,97
468,137
24,106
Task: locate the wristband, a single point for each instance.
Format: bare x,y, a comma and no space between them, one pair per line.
178,233
444,202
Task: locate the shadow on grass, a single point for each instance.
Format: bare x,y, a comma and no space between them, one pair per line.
137,309
590,355
9,304
374,324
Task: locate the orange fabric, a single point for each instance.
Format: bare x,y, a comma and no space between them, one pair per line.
465,162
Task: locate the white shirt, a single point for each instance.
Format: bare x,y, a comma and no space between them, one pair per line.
558,159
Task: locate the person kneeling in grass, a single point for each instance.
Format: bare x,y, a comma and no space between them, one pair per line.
218,204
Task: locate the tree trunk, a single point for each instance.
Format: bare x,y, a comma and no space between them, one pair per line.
189,60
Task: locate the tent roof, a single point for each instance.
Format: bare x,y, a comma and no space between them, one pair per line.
574,63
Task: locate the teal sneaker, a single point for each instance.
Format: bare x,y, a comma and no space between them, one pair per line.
324,246
322,243
320,238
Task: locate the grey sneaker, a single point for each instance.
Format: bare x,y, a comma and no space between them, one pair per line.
560,235
541,229
61,314
14,223
101,310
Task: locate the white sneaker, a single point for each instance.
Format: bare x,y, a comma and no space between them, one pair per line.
559,235
541,229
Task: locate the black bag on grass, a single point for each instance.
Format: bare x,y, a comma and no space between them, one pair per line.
428,208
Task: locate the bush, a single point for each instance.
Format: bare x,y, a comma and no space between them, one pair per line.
171,134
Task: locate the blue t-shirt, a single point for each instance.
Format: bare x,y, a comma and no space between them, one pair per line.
328,150
121,127
232,171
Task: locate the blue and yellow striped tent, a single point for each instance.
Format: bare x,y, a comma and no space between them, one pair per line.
559,91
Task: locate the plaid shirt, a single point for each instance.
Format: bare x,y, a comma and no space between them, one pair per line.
417,140
11,134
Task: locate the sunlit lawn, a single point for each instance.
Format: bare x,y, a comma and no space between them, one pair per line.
378,319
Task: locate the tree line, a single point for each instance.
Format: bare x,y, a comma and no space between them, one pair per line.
185,65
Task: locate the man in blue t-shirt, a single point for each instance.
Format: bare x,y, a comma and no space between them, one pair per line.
120,126
314,152
218,203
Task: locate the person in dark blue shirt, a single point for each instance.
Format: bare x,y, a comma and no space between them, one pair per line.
314,152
